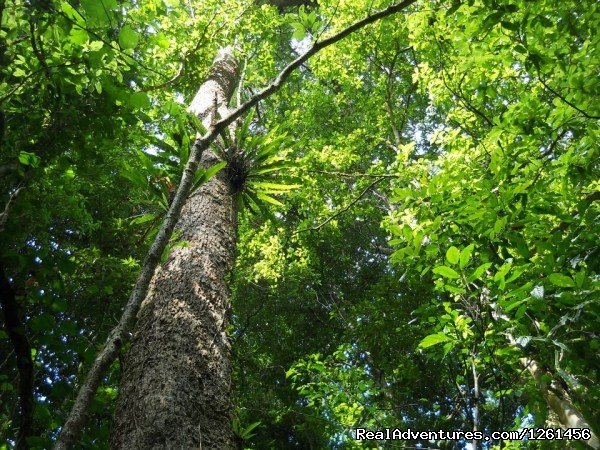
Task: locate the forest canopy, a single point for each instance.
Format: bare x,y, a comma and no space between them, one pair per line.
267,224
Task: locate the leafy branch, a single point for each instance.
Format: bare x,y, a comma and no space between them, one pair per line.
354,175
564,99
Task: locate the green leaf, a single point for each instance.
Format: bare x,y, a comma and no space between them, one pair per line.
95,10
268,199
452,255
128,37
246,433
561,280
510,306
136,177
143,219
544,21
42,323
446,272
465,255
212,171
434,339
203,175
453,8
271,167
29,159
478,272
78,36
72,13
274,188
502,271
299,31
492,19
139,100
520,49
510,25
454,289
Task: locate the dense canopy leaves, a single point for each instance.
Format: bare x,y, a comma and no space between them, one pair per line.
419,220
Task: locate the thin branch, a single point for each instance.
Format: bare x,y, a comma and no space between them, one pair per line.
248,322
341,210
561,97
9,204
552,146
77,418
354,175
38,51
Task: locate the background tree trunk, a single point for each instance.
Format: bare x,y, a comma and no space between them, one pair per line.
560,402
176,379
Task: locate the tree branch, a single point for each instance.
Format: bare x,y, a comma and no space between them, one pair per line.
562,98
77,418
11,201
341,210
38,51
354,175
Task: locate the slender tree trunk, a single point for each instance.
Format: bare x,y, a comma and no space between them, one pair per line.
559,401
176,379
476,403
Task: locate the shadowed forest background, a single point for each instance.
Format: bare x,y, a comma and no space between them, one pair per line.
410,215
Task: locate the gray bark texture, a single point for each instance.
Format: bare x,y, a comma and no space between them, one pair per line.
176,378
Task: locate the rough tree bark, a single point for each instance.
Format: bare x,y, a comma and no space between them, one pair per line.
176,379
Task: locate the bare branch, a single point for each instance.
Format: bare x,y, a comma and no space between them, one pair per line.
11,201
341,210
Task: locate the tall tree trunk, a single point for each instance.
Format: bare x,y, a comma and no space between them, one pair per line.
176,379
